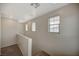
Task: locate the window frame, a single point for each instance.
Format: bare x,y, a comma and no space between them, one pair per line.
33,27
26,27
53,24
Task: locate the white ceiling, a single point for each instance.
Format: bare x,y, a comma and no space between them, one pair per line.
24,11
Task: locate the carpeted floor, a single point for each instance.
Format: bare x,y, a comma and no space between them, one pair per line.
15,51
40,53
11,51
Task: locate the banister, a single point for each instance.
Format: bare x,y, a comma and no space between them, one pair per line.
29,43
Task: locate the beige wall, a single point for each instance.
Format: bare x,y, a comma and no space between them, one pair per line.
78,27
0,34
0,31
9,29
66,41
20,28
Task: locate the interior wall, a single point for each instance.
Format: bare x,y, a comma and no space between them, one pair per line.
20,28
78,27
63,43
9,29
0,34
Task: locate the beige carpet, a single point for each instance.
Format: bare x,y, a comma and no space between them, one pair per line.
40,53
11,51
15,51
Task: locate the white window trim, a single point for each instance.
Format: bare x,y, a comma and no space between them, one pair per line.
26,27
53,24
33,26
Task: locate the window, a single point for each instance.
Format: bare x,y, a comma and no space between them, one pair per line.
34,26
26,27
53,24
